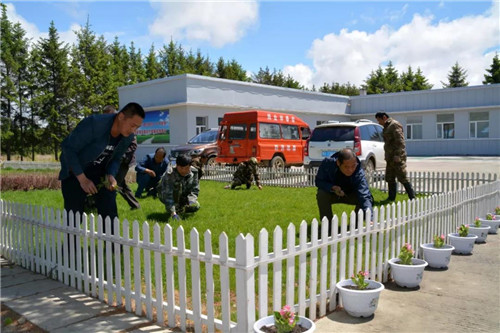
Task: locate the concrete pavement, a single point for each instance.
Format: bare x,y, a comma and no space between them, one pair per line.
55,307
463,298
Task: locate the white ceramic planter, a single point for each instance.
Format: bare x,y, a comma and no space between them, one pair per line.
462,245
269,320
408,276
437,257
481,232
492,223
360,303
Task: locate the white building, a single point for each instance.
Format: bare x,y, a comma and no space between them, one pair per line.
454,121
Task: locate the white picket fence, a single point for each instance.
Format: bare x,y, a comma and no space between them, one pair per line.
431,182
227,293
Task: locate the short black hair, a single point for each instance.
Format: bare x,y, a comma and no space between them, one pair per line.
345,155
381,115
109,109
161,149
133,109
183,160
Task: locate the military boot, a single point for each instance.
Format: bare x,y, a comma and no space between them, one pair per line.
409,190
393,188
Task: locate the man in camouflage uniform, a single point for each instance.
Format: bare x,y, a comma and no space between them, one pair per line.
198,164
395,155
245,174
179,188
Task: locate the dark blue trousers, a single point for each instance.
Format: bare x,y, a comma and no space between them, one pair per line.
74,199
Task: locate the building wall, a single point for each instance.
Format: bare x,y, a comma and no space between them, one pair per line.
190,96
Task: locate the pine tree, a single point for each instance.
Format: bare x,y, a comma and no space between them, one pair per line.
137,72
376,83
392,82
336,88
494,71
421,82
407,80
7,69
456,77
53,94
152,65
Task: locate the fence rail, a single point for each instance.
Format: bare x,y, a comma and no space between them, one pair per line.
165,277
423,182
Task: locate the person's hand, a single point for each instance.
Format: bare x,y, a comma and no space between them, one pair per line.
86,184
151,173
260,187
176,217
338,191
397,159
111,183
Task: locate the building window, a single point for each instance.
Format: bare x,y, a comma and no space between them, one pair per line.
445,126
414,128
201,124
479,125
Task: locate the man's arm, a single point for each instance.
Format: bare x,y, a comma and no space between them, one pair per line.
322,179
363,191
76,141
166,193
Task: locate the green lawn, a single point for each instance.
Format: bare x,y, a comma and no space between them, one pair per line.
230,211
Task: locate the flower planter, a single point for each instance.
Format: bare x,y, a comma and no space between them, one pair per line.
481,232
360,303
408,276
437,257
462,245
269,321
492,223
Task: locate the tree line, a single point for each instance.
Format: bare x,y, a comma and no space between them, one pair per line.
48,86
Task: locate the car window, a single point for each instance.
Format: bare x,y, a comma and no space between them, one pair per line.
342,133
290,132
237,131
379,130
269,131
205,137
369,133
252,134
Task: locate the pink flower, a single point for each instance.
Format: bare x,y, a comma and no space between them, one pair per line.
365,273
442,236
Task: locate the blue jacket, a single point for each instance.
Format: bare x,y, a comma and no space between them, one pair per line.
84,144
149,163
329,175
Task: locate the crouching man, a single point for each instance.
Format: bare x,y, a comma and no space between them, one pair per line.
179,188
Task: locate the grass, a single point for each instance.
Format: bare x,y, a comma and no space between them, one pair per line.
230,211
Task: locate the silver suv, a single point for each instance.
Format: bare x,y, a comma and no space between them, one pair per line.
363,136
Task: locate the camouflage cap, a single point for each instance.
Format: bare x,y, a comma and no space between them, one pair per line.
253,161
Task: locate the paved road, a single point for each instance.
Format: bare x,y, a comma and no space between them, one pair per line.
486,164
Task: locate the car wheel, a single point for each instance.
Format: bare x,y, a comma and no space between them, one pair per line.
210,164
369,170
278,166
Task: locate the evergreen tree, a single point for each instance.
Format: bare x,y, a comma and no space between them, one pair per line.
120,64
339,89
172,59
137,72
456,77
376,82
392,82
494,71
8,68
231,70
407,80
53,93
421,82
91,73
152,65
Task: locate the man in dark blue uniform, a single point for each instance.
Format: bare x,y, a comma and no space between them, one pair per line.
149,172
341,179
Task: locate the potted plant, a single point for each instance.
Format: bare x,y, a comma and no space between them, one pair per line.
437,254
462,241
491,221
497,212
406,270
284,321
480,230
359,295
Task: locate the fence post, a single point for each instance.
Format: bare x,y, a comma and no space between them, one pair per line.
245,283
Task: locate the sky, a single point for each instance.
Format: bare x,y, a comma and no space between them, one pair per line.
313,41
